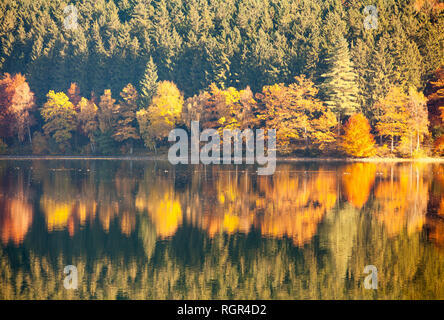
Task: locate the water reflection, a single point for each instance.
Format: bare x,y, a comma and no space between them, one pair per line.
148,230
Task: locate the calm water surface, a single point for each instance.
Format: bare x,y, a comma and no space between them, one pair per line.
149,230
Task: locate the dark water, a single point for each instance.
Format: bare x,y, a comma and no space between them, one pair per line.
148,230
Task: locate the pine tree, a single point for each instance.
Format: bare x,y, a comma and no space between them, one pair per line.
126,123
339,89
148,84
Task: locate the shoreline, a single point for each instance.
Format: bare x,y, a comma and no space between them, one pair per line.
165,158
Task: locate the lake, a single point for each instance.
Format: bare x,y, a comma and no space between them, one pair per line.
150,230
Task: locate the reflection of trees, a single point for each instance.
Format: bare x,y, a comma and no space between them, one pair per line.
241,267
339,237
357,180
226,233
157,196
73,196
126,185
16,212
147,234
401,199
436,230
280,206
294,205
435,218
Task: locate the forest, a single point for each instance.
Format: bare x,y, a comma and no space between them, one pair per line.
128,71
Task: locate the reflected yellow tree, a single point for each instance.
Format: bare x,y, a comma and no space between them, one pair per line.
294,204
160,201
401,199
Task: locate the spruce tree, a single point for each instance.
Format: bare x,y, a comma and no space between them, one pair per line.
339,89
148,84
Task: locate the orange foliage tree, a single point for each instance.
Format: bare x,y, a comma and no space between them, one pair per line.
435,103
16,105
296,114
357,140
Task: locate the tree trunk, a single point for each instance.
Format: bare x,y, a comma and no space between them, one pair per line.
29,135
391,148
339,124
417,142
411,145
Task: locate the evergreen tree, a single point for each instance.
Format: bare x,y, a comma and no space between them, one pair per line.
126,123
339,89
148,84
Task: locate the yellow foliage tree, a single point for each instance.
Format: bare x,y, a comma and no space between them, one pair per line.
357,140
393,119
162,115
60,118
418,116
296,114
87,118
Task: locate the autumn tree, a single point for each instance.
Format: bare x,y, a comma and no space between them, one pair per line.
393,117
435,105
418,117
22,105
296,114
228,109
87,119
74,94
17,103
108,112
143,119
323,134
6,116
193,108
60,118
435,99
162,115
278,111
357,140
107,116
